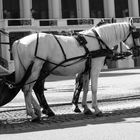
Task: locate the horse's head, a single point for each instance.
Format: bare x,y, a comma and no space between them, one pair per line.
133,38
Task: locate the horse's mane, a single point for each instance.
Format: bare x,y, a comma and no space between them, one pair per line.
112,33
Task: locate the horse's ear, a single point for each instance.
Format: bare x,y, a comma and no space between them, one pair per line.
132,27
102,20
131,21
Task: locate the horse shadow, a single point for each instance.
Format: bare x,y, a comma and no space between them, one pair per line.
69,121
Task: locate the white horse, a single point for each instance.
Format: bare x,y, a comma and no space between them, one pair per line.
49,50
82,82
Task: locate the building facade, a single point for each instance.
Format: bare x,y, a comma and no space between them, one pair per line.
21,17
57,9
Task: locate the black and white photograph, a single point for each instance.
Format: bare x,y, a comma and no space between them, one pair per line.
69,69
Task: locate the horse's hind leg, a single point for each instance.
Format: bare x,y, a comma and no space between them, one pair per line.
77,90
39,92
29,100
36,108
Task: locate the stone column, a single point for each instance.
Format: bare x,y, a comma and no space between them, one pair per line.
25,8
85,8
133,6
56,8
109,8
79,11
1,9
50,9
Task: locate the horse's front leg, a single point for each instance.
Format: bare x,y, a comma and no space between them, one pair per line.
86,111
96,67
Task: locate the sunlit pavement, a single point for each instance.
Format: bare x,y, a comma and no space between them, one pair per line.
112,84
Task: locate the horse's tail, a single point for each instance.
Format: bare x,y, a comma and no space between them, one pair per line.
19,69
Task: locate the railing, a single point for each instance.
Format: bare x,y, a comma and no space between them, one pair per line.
33,24
59,22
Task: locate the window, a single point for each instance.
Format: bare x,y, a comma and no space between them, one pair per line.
69,9
40,9
96,8
11,9
121,8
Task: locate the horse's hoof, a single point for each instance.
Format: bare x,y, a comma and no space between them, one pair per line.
88,112
99,114
38,113
76,109
50,113
37,119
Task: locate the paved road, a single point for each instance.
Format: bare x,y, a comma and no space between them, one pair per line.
119,99
114,125
112,84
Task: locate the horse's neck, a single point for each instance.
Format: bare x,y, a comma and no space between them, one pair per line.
111,39
113,36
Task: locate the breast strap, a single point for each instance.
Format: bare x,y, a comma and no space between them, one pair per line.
88,54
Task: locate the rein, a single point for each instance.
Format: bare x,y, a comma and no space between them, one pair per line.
102,52
88,55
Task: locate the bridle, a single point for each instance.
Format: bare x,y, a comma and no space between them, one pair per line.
135,34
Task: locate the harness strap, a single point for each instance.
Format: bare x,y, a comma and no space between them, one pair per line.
100,40
37,41
60,47
98,53
82,41
18,86
88,55
97,36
